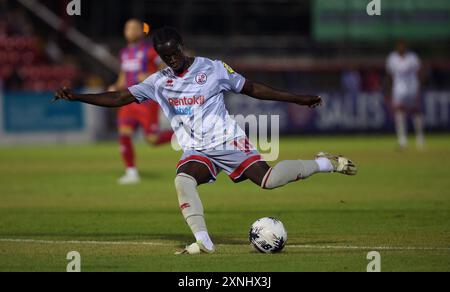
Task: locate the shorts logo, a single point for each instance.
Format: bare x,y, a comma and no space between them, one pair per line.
185,206
201,78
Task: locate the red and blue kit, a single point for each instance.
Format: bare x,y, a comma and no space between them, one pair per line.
138,60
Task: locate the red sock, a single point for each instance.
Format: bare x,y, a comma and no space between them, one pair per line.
164,137
127,151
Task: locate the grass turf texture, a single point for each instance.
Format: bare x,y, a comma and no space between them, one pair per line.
70,193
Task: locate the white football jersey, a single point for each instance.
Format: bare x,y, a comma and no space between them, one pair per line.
404,71
194,103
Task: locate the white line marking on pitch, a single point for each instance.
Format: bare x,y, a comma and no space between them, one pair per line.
37,241
142,243
393,248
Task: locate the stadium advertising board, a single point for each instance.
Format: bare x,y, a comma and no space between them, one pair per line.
33,112
410,19
341,113
27,117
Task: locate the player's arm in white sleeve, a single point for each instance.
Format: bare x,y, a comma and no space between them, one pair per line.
138,93
232,81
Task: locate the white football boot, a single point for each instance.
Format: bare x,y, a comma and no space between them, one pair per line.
130,178
196,248
340,164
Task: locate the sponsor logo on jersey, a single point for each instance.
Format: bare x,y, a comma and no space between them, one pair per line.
140,55
195,100
183,106
131,65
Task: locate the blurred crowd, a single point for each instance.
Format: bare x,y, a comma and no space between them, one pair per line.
354,81
28,61
36,58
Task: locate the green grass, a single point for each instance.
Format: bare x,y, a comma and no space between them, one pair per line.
69,193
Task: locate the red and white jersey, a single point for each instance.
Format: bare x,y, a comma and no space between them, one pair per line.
138,59
194,102
404,71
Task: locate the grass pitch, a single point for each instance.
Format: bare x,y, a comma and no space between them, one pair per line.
54,200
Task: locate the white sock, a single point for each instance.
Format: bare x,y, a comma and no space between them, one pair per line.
419,125
289,171
132,171
324,165
203,236
192,208
401,127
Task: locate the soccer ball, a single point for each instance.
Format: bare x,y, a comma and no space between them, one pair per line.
268,235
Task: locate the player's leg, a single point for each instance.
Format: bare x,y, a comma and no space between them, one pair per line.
190,175
401,125
149,120
160,138
127,126
244,162
419,124
289,171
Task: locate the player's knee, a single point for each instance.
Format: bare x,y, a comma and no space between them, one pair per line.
152,139
276,177
126,131
269,182
183,182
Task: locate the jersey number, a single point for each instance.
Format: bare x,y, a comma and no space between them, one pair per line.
243,145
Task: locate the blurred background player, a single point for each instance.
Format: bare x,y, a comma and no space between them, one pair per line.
404,93
138,61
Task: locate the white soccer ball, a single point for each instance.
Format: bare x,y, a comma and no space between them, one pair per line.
268,235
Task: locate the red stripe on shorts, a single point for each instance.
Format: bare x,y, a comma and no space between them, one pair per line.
201,159
244,165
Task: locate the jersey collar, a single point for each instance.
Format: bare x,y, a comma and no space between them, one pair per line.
182,75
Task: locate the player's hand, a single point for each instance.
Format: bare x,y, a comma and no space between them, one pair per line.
112,88
315,101
64,94
143,76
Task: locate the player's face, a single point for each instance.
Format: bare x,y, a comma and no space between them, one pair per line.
133,31
401,47
172,54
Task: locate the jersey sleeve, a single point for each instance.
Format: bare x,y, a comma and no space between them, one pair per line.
145,90
228,79
390,64
417,64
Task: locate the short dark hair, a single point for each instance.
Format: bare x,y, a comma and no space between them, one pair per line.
166,34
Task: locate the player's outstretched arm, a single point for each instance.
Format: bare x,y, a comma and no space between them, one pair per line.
106,99
264,92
